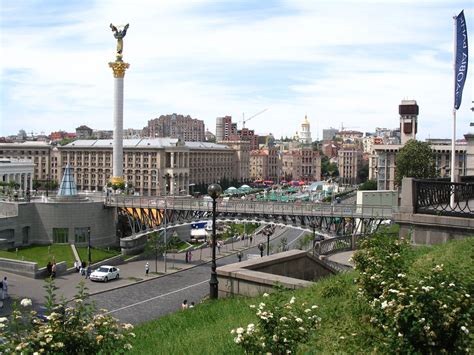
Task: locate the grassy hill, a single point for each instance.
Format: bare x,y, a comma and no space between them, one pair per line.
345,317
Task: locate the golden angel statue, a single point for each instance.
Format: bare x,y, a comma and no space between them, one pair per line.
119,34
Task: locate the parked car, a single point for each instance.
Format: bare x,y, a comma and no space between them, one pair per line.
105,273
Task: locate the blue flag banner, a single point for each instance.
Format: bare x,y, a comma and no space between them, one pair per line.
461,59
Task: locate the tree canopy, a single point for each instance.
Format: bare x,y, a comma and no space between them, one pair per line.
415,159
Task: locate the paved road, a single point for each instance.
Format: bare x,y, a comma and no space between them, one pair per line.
155,298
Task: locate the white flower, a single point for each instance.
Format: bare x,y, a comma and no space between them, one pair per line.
275,337
393,291
3,319
263,345
252,306
464,329
299,320
307,310
127,326
282,319
451,285
292,300
250,327
314,307
26,302
401,275
384,304
240,330
265,294
238,339
400,334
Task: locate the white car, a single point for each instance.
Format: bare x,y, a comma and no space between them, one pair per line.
105,273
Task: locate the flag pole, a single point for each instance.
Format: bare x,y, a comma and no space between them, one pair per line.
453,152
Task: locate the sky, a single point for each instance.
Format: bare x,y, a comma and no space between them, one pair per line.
342,63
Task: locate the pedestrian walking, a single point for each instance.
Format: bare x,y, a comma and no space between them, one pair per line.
83,268
147,268
184,305
89,271
219,247
77,265
186,257
251,239
49,267
4,288
190,256
53,270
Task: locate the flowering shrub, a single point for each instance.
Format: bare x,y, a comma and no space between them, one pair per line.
431,312
280,326
67,329
380,260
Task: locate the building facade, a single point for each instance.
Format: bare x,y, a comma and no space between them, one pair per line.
152,166
349,161
176,126
301,164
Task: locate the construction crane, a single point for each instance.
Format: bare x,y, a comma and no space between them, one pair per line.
248,119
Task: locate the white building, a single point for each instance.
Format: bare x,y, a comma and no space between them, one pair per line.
19,171
305,134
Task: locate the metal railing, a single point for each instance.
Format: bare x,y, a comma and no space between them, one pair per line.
433,197
256,207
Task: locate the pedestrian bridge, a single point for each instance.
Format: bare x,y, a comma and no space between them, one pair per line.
145,213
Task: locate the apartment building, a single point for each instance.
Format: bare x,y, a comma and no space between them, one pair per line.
349,161
176,126
301,164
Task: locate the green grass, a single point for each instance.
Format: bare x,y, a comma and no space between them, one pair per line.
40,255
96,254
345,326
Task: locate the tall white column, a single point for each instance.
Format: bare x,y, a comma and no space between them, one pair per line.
118,128
118,68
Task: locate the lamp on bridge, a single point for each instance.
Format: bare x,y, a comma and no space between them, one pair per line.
214,191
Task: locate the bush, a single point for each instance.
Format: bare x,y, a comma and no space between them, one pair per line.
66,329
280,327
428,312
379,260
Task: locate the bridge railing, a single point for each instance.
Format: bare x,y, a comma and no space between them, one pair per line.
433,197
255,207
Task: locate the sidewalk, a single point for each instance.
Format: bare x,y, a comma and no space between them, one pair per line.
130,273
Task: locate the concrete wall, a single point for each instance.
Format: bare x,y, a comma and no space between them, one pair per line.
378,198
256,276
28,268
41,218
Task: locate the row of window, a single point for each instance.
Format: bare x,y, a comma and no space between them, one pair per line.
61,235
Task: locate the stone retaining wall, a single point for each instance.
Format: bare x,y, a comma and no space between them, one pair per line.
292,269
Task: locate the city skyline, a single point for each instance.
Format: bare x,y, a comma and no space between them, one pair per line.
349,62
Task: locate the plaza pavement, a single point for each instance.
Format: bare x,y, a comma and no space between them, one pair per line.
131,272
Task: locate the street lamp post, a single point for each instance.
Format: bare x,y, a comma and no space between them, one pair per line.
268,242
214,191
89,245
313,225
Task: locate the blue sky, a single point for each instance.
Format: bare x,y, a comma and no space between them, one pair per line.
349,62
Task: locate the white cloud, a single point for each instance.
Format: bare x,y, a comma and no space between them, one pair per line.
346,61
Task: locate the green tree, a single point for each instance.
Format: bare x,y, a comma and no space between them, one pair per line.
415,159
368,185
